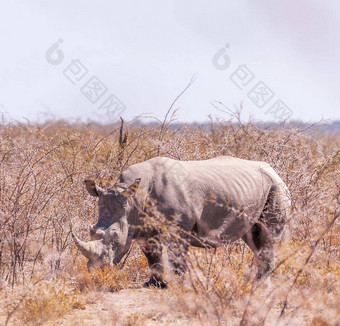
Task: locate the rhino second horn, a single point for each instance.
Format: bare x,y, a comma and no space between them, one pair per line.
88,249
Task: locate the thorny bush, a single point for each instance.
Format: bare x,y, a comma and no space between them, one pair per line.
42,168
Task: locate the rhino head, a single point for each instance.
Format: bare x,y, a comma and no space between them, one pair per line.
112,235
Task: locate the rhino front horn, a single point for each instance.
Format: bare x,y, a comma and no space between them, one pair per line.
88,249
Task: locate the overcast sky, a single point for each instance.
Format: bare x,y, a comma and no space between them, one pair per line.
87,59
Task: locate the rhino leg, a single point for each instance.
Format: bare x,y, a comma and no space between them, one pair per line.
268,231
158,283
153,253
176,256
260,241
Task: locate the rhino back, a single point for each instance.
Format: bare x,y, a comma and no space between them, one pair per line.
195,190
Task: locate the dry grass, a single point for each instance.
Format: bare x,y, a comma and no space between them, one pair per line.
43,277
40,302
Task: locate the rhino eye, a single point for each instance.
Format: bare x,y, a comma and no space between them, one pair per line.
122,200
111,235
115,236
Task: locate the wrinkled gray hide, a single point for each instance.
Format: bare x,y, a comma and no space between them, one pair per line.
216,200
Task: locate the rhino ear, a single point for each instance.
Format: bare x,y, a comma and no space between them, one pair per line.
132,189
135,186
93,189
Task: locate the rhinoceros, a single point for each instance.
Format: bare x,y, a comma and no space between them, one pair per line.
210,201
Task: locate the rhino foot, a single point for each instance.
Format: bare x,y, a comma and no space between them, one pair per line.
158,283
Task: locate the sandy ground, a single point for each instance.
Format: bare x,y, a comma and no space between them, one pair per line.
129,307
170,307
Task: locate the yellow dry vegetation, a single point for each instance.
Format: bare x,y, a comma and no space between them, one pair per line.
44,279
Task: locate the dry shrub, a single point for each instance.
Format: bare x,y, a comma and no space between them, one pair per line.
42,168
41,302
130,275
